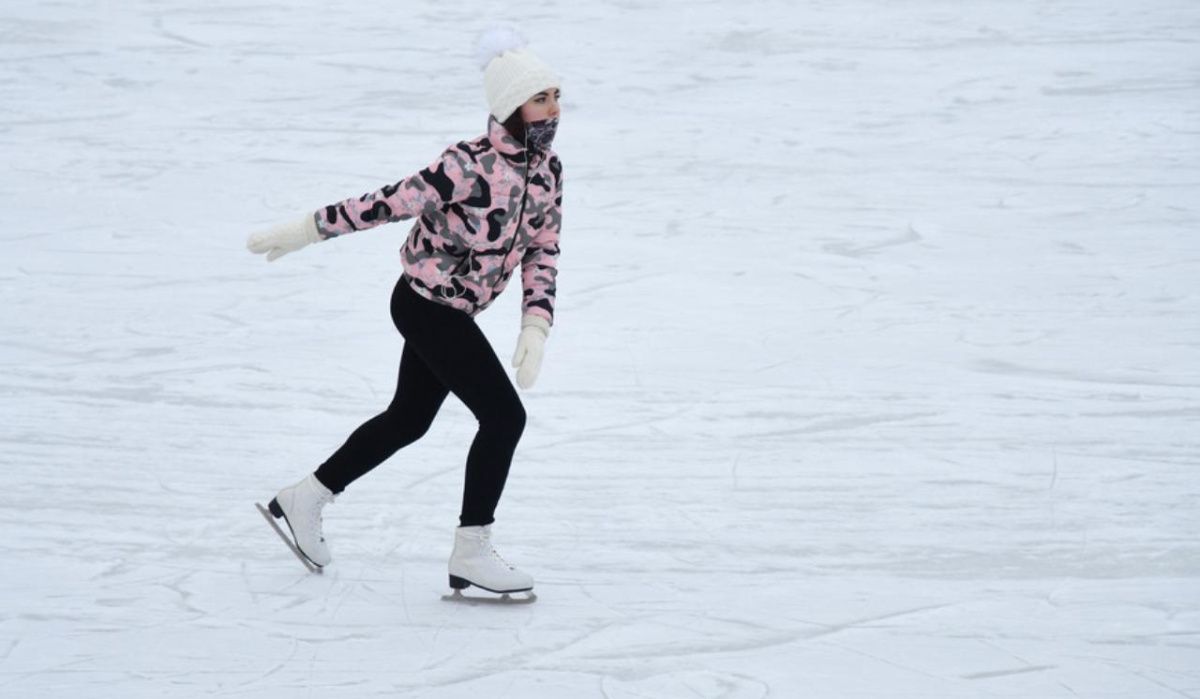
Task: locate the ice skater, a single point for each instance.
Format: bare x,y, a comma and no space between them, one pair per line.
484,209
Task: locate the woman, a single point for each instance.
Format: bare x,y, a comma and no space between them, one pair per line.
484,208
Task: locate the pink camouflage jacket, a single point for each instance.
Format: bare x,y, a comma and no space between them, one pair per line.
481,212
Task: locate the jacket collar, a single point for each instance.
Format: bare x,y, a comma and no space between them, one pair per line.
502,141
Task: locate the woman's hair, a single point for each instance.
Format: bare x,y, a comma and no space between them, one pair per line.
515,126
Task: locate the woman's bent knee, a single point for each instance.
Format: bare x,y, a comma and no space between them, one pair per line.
509,422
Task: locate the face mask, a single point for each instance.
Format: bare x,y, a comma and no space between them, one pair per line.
540,134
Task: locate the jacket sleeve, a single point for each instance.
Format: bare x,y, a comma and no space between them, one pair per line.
539,264
444,181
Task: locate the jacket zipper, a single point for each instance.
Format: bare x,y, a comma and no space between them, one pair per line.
524,195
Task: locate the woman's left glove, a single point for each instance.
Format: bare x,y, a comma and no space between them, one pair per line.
279,240
530,346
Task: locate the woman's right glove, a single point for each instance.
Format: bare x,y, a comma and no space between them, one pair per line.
279,240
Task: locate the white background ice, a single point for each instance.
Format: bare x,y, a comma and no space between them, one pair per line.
875,370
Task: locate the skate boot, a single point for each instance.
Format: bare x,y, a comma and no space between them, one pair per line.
475,562
300,506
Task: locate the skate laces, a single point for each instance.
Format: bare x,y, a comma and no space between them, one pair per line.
486,537
315,519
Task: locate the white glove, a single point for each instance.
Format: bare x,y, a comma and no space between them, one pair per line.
279,240
530,345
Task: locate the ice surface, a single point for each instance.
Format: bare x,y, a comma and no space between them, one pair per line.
875,371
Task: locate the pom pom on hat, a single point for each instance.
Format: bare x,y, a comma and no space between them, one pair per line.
511,72
495,41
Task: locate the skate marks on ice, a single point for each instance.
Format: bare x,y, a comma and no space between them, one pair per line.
312,568
895,495
1125,378
927,639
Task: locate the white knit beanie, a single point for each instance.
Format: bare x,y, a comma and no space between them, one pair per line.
511,72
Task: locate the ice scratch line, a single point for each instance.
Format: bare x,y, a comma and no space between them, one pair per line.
1005,673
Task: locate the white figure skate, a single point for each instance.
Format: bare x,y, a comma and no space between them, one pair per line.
300,506
475,562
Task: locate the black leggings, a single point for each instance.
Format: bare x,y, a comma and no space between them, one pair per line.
444,351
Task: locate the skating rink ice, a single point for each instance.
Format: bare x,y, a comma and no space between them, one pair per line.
876,368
